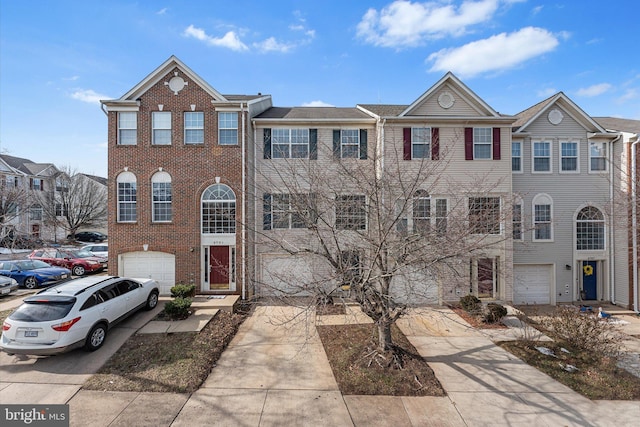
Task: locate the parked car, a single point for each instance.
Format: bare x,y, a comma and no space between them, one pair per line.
89,236
73,314
78,261
7,285
97,249
32,273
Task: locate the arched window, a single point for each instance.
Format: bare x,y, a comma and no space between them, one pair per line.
127,197
590,232
218,210
161,191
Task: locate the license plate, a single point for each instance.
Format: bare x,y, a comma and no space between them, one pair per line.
64,276
30,334
5,291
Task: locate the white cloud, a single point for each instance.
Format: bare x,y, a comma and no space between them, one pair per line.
317,103
71,79
88,95
496,53
545,93
272,45
536,10
162,11
230,40
404,23
629,95
594,90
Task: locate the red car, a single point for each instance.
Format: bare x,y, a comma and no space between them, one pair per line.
79,262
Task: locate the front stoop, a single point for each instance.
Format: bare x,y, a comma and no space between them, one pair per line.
223,302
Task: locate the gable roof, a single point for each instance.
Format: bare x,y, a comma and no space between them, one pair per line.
526,117
452,81
313,113
100,180
159,73
26,166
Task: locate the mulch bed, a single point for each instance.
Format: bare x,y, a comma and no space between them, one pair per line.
476,321
360,370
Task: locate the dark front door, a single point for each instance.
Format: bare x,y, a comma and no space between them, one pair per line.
589,280
219,267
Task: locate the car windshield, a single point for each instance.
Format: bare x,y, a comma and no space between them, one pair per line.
43,309
82,254
31,265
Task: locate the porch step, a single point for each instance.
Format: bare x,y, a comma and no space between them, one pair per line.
221,302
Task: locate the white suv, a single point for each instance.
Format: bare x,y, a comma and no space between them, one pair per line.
76,313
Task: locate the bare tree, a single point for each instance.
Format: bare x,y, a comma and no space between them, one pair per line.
389,234
78,201
14,201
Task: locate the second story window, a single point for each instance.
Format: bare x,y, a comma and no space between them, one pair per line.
194,128
568,157
161,123
541,156
420,143
482,141
290,143
37,184
597,156
542,218
127,128
516,156
228,128
35,213
349,144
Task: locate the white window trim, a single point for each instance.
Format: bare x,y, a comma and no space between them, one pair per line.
343,144
533,157
154,128
542,199
220,128
291,144
161,178
560,157
500,219
518,202
366,212
575,229
184,120
521,144
606,158
118,136
490,143
427,155
122,178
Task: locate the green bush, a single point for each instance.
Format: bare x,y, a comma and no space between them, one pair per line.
178,308
183,291
494,313
471,304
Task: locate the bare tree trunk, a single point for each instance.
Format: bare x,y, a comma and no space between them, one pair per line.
384,334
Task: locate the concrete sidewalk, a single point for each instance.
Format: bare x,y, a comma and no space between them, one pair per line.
276,372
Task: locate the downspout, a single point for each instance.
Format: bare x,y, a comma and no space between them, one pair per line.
634,223
244,205
612,234
255,201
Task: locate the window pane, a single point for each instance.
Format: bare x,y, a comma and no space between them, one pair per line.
127,201
542,222
127,128
350,139
161,123
351,213
194,128
228,137
484,215
162,211
542,165
482,151
228,128
516,164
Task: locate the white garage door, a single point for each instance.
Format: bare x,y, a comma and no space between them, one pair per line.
414,288
286,274
159,266
532,284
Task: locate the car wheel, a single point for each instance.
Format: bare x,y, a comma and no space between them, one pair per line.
30,283
152,301
78,270
96,337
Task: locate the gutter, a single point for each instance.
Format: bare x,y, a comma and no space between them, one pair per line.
634,223
612,234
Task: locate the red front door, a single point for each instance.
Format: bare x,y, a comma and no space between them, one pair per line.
218,267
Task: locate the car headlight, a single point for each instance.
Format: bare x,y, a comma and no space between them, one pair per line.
92,262
14,282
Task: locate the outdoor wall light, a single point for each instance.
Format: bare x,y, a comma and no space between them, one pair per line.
567,267
145,247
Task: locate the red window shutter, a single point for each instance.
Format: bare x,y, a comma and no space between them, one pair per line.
496,143
435,143
468,143
406,137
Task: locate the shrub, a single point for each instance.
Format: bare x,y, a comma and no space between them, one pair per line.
178,308
183,291
494,312
471,304
583,331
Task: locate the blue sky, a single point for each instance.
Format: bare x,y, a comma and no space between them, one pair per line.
58,58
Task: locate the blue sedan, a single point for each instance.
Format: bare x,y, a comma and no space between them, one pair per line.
33,273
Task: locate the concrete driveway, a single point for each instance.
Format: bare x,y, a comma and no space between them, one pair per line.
55,379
